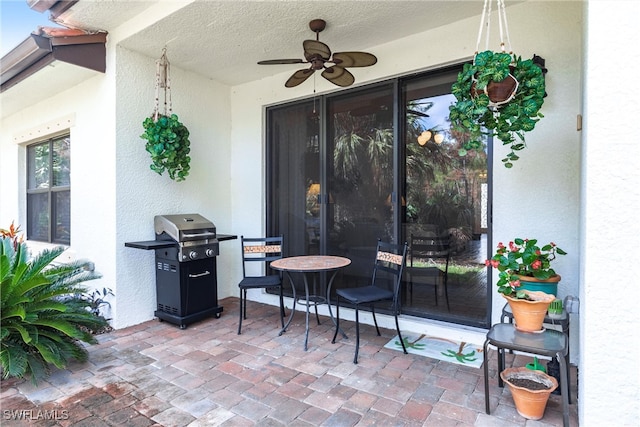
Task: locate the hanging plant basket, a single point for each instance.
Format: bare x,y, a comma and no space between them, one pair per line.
498,94
167,138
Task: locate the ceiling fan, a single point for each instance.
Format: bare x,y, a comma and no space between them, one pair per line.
318,54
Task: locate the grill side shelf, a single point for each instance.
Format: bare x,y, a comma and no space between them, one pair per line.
151,244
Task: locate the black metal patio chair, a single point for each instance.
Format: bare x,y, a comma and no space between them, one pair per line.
385,287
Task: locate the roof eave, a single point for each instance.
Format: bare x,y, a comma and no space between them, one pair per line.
56,7
36,52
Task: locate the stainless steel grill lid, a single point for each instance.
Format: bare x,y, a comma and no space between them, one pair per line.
185,227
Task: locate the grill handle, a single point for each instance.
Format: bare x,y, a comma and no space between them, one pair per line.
193,276
206,234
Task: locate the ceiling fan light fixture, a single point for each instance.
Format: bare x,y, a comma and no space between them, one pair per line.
318,54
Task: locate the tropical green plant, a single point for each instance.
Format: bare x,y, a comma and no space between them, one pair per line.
96,299
168,144
474,113
522,257
43,320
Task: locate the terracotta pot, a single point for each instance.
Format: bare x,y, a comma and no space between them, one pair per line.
529,315
530,403
548,286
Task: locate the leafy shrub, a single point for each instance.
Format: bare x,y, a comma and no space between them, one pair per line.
43,320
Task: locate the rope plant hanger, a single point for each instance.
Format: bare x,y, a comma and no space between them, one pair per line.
498,94
167,138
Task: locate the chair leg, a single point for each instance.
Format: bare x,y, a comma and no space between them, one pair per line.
333,341
240,312
400,335
317,317
375,322
281,307
501,364
245,304
486,377
355,358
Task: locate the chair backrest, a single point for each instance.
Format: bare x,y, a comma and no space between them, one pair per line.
390,260
260,249
429,248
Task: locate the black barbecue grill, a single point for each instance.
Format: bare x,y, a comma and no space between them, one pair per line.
186,248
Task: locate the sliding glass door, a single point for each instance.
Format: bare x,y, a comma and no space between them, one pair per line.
380,162
359,177
446,204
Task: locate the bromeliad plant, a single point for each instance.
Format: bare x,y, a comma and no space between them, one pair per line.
522,257
43,320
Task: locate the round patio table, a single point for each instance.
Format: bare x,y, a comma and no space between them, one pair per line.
311,264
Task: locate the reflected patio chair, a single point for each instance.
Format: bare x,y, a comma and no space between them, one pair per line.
429,264
387,270
255,251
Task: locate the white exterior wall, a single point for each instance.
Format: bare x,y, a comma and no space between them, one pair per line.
92,162
609,390
203,107
547,171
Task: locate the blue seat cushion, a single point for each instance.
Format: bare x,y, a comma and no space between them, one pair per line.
260,282
365,294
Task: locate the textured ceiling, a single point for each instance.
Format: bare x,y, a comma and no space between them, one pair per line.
223,40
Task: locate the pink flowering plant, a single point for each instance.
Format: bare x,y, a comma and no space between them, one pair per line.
522,257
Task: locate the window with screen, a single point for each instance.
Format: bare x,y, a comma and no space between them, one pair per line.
49,191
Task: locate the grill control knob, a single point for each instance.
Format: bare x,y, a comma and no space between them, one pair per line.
210,252
193,254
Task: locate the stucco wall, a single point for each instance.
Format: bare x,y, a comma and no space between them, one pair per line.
92,160
609,392
537,198
203,107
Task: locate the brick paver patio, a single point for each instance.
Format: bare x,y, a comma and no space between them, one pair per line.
155,374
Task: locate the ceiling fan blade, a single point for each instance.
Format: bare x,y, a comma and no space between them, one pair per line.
314,48
281,61
299,77
354,59
338,76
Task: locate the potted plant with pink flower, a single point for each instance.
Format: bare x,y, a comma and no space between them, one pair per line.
526,276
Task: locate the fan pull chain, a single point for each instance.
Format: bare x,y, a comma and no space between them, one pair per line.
314,93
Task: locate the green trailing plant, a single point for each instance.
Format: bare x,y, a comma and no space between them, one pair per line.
168,144
475,114
43,320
